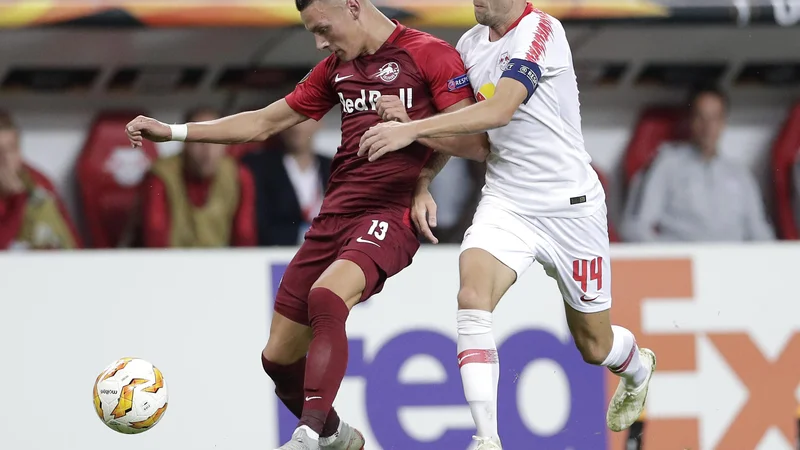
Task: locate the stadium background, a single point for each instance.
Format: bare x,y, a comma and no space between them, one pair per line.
723,318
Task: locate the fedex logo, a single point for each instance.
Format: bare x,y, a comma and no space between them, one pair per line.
368,100
395,399
717,387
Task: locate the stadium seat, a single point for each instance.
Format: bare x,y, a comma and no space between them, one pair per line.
109,172
656,125
784,154
612,233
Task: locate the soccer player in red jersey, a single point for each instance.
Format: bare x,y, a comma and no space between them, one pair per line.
378,69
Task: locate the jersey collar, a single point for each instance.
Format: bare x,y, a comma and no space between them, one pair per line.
398,29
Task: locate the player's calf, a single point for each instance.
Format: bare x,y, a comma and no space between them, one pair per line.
594,336
289,381
480,368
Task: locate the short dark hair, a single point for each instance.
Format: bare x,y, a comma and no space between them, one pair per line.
7,122
192,114
303,4
699,91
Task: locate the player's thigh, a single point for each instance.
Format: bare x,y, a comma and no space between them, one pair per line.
288,340
316,254
576,253
495,252
380,244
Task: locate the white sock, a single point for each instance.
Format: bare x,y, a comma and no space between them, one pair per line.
480,368
624,360
311,433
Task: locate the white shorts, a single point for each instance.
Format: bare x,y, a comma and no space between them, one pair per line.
575,252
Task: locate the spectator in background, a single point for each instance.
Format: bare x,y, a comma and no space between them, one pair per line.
32,216
200,197
691,193
457,191
290,183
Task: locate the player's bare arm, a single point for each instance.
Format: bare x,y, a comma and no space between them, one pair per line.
248,126
475,146
494,112
423,207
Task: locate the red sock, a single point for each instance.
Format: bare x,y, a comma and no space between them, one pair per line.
327,356
289,389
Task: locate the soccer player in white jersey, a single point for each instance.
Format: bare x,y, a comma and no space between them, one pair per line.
542,202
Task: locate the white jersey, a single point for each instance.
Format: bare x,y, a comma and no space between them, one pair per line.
538,166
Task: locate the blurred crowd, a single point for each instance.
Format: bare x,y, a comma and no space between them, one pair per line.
208,196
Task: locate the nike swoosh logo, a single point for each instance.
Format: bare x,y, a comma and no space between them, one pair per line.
584,299
338,78
364,241
308,399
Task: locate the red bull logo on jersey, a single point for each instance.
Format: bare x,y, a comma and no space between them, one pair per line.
368,100
504,60
388,72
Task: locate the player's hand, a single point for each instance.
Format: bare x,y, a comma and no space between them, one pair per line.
392,109
423,211
143,127
10,182
384,138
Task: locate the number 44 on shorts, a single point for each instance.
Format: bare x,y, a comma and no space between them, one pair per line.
584,270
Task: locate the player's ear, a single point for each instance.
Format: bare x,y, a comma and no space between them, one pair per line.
354,7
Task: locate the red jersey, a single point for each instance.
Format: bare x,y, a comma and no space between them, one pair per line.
428,76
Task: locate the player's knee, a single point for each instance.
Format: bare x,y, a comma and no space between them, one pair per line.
283,352
593,350
470,298
325,306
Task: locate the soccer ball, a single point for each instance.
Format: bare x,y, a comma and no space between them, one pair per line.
130,396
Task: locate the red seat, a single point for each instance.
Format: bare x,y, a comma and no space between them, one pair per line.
784,155
109,172
656,125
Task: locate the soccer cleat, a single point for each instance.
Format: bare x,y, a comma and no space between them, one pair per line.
484,443
300,441
348,438
628,403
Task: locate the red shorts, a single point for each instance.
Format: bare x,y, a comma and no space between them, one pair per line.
382,243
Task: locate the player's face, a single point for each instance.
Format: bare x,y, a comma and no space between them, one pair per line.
336,27
10,155
492,12
707,121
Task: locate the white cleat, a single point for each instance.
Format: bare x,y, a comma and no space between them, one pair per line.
300,441
627,404
348,438
484,443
